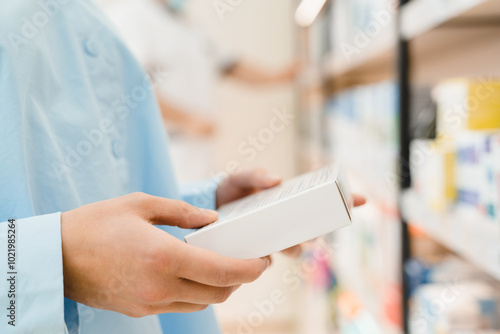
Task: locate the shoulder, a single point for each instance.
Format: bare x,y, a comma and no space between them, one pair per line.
23,20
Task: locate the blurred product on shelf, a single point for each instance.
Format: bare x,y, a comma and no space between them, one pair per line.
432,166
467,104
452,296
422,247
456,177
371,243
462,165
477,171
358,24
452,165
362,128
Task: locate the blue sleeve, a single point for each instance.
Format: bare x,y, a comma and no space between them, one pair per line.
201,194
32,295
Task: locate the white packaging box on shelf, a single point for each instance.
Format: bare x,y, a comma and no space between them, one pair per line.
298,210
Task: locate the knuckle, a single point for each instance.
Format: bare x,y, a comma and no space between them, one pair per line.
223,295
160,261
223,277
136,196
150,295
186,210
183,206
156,259
137,199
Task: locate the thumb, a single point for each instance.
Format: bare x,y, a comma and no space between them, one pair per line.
164,211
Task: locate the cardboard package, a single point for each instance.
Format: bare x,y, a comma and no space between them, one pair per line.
298,210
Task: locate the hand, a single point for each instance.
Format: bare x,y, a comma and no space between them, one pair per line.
239,185
115,259
358,200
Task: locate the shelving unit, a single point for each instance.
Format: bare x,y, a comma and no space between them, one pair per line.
434,40
367,294
464,232
372,64
421,16
444,35
444,41
404,71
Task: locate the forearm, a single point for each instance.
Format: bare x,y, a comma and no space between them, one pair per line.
251,74
172,113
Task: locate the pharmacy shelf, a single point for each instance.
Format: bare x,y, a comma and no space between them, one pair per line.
348,275
367,293
475,238
446,39
445,36
380,324
455,52
421,16
372,63
450,38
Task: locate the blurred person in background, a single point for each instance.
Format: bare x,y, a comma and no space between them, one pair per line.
165,43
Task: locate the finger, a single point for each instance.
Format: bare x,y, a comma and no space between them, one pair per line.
164,211
255,179
197,293
293,251
202,266
358,200
178,307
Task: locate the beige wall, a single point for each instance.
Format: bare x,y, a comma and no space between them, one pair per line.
260,31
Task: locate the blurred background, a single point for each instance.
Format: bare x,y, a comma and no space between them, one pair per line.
405,94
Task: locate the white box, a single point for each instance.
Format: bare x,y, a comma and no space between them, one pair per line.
298,210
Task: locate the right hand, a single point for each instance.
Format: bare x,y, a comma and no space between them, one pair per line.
115,259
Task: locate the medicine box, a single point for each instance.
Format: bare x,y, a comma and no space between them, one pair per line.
298,210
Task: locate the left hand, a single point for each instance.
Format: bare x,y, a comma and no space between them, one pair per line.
239,185
249,182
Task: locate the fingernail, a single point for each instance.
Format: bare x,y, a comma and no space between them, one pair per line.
268,262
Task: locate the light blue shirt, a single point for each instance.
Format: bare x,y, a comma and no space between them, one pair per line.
79,123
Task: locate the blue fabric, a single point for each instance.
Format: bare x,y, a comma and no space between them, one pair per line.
35,291
71,316
79,123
